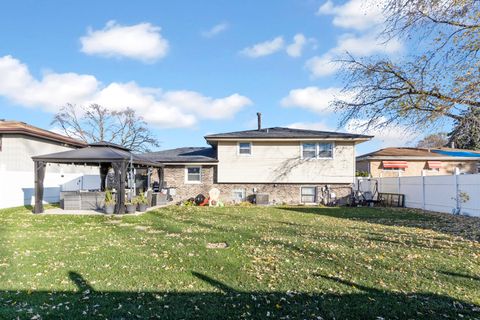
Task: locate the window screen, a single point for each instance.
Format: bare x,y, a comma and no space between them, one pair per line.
309,150
193,174
245,148
309,194
325,150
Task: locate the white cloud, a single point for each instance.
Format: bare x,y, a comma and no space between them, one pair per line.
354,14
167,109
264,48
324,65
367,44
365,17
295,49
313,98
363,45
388,136
142,41
215,30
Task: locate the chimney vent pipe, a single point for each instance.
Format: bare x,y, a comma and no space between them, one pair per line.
259,119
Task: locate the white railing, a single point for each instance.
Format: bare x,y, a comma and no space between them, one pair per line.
457,194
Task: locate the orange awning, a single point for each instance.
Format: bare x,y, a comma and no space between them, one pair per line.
395,164
434,164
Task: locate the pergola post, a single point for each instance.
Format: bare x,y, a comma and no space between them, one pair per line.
39,168
120,169
103,175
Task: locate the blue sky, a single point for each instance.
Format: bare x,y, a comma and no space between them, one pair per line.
188,67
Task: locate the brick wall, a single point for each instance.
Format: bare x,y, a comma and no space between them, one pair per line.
174,177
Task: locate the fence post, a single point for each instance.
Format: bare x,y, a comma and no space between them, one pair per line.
457,193
423,190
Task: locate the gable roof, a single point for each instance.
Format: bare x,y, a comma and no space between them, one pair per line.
421,153
17,127
286,133
184,155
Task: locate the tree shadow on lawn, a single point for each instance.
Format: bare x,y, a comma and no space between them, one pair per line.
228,303
460,226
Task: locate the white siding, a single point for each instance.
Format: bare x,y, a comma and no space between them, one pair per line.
281,162
16,171
18,150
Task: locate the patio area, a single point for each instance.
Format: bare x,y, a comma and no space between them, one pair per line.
117,167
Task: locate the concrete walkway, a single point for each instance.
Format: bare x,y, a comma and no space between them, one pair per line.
97,212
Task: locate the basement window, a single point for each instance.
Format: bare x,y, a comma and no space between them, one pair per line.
308,194
193,174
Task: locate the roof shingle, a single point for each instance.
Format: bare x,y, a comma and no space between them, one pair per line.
281,132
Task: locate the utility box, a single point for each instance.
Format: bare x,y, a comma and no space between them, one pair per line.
262,199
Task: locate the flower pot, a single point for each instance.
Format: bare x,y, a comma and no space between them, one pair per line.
142,207
109,209
131,208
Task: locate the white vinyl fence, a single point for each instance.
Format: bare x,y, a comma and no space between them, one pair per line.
17,187
457,194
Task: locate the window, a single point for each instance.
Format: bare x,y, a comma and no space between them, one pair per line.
309,150
245,148
393,169
325,150
478,167
319,150
308,194
193,175
238,195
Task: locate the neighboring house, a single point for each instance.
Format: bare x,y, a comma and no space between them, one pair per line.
393,162
288,165
18,143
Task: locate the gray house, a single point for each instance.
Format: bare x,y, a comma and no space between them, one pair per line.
283,165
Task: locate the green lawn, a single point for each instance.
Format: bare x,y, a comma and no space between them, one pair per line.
291,263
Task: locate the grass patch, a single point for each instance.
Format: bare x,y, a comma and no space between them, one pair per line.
291,262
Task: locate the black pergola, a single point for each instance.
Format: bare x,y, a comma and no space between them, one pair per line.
102,154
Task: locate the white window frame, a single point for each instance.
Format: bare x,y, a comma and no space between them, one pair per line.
186,175
301,150
243,191
317,150
244,154
315,195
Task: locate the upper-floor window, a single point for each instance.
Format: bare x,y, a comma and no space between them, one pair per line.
325,150
193,174
245,148
317,150
309,150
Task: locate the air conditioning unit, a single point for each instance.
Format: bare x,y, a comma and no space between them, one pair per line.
261,199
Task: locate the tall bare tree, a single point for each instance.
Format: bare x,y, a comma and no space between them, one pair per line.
95,123
435,140
437,81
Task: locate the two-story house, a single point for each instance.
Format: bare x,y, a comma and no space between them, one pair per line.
287,165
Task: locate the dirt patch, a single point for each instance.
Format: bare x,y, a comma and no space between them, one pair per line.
217,245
